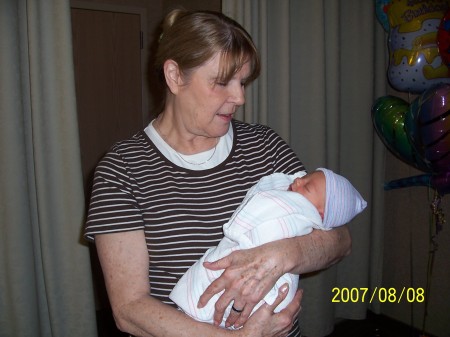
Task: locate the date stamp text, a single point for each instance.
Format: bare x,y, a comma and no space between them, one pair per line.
380,294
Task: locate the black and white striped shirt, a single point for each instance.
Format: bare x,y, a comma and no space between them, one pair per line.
181,211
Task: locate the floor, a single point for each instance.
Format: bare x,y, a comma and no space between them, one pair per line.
373,326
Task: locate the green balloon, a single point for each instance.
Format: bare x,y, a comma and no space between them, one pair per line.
388,117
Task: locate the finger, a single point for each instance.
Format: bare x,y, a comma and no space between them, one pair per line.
243,317
291,311
214,288
294,308
222,263
298,298
218,284
282,293
234,315
221,305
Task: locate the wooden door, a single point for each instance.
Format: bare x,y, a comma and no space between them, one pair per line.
107,48
108,56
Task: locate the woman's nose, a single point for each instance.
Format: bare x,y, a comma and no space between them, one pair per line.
238,94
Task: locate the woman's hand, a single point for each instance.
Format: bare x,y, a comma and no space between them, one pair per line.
248,276
264,322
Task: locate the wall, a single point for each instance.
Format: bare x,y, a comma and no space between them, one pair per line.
407,246
406,253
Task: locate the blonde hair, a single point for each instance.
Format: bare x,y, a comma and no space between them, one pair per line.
192,38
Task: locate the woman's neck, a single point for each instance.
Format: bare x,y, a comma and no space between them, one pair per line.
178,136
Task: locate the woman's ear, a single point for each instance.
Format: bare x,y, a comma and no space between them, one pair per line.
172,76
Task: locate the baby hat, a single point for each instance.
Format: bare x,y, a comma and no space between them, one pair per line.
343,201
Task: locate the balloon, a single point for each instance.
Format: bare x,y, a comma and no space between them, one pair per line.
419,134
381,8
414,59
388,116
440,181
443,39
427,125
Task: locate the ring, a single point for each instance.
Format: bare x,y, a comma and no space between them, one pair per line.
234,309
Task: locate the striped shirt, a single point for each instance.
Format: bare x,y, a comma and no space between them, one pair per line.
181,211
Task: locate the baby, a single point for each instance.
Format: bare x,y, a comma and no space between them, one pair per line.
279,206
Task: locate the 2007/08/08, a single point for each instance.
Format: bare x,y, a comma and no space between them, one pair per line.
380,294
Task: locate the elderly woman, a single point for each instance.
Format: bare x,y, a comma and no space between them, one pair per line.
160,199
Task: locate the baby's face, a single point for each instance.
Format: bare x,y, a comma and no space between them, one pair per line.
312,186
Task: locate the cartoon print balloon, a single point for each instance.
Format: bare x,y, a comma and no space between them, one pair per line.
415,63
443,39
381,7
419,134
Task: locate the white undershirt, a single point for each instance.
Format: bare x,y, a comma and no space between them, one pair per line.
221,151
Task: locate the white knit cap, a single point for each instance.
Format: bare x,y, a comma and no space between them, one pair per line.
343,201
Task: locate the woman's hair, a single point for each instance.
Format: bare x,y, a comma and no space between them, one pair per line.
192,38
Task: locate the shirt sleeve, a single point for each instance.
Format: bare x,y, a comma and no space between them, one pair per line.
113,206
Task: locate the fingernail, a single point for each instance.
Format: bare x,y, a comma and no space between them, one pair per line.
284,288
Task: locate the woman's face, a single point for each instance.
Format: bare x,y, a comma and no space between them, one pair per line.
205,105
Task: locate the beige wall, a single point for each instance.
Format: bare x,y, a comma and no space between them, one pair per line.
406,252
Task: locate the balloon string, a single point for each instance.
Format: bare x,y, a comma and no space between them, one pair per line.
438,213
436,223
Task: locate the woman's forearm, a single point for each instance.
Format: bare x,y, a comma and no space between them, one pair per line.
124,259
317,250
162,321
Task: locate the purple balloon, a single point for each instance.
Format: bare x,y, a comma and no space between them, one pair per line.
441,182
427,125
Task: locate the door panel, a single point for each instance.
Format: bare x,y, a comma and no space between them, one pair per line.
107,58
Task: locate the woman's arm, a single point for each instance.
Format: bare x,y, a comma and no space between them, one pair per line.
250,274
124,260
316,251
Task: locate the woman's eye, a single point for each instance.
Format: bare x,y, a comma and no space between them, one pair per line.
222,84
